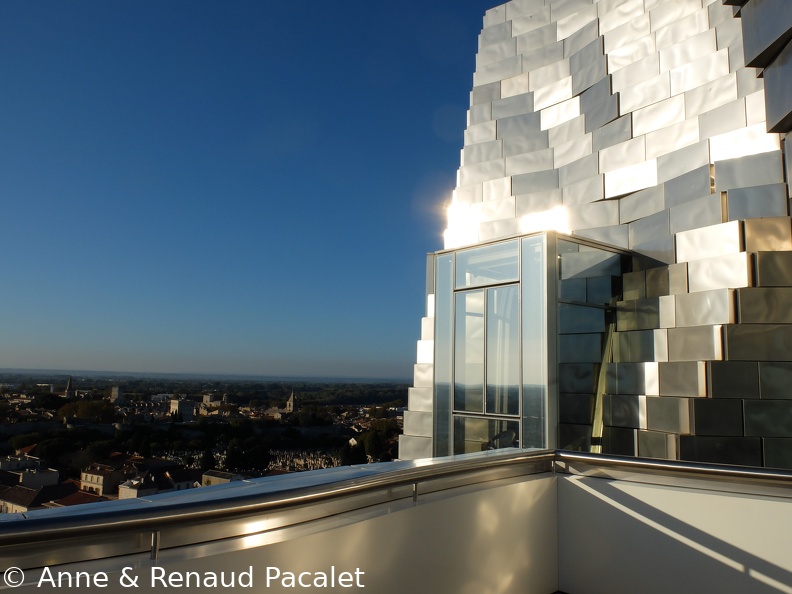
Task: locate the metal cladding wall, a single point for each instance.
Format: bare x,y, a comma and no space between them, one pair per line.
637,123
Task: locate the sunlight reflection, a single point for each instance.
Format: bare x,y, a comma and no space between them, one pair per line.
555,219
463,225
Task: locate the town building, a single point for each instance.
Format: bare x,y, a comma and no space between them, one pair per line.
616,274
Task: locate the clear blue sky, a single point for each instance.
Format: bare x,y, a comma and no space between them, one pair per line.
241,187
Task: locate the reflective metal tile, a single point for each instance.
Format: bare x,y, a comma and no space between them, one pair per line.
597,214
537,202
705,307
768,418
702,212
637,72
585,191
734,379
615,235
642,204
628,32
682,29
483,132
579,170
767,234
483,151
513,105
758,342
727,271
495,33
765,305
748,171
689,50
659,115
495,52
752,140
700,343
529,22
672,138
775,380
774,269
537,38
498,71
485,93
645,93
699,72
684,378
621,155
688,186
529,162
671,12
713,94
654,444
631,179
708,242
671,415
662,249
648,228
575,21
725,118
718,417
682,161
519,125
535,182
617,131
580,39
560,113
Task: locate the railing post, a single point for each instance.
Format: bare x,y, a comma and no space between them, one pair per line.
155,544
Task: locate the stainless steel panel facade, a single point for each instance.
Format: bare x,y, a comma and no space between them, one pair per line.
653,444
670,415
765,305
687,187
729,271
767,26
758,342
774,269
758,203
638,124
778,88
775,380
704,308
718,417
711,95
746,451
681,161
708,242
768,418
733,379
699,343
642,204
624,410
687,378
752,170
702,212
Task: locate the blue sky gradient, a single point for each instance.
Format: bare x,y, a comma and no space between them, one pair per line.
226,187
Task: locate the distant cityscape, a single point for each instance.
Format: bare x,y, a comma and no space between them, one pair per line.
76,439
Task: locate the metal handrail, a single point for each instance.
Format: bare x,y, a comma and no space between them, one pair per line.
250,501
144,519
675,467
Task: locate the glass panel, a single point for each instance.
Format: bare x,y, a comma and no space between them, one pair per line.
469,352
534,342
488,265
503,350
443,336
474,434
